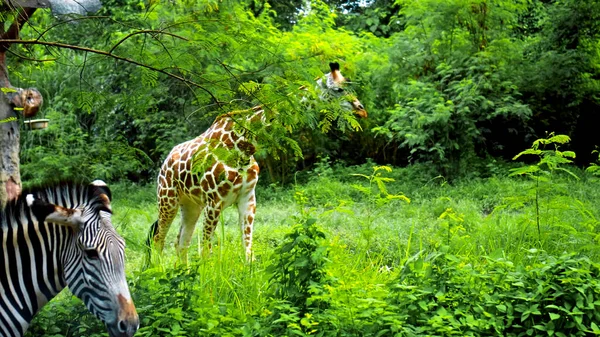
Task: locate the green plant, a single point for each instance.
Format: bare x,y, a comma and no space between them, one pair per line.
377,195
542,172
299,281
442,294
594,168
298,270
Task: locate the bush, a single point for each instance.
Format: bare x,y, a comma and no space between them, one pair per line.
441,294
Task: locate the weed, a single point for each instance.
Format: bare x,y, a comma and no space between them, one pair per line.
549,161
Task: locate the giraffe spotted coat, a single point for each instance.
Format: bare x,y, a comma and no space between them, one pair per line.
210,172
218,169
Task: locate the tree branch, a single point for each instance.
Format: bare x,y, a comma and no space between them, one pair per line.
144,32
13,31
28,58
120,58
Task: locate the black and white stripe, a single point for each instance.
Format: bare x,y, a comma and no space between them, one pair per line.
58,236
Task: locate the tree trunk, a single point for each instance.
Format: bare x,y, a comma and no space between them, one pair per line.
30,100
10,177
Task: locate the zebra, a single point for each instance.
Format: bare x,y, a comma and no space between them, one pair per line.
57,236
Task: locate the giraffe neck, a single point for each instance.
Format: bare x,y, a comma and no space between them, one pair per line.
232,130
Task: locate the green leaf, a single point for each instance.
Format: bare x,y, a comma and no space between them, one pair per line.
525,170
528,151
561,139
595,328
8,90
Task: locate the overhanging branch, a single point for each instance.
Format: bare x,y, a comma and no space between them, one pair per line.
145,32
108,54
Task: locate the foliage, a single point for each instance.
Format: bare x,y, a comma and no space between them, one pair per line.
299,266
376,179
453,261
552,160
594,168
299,282
77,154
378,196
561,65
147,113
451,86
442,294
542,171
453,83
444,82
379,17
175,307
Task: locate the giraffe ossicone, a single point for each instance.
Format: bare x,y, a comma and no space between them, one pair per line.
216,170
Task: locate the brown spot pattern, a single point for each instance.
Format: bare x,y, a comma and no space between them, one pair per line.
220,185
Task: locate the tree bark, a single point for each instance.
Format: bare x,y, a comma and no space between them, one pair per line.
10,177
29,99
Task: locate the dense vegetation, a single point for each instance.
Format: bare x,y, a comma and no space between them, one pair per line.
369,251
445,82
451,241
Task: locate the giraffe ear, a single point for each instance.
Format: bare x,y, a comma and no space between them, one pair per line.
47,212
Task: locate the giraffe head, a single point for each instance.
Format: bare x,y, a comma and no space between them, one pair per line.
335,85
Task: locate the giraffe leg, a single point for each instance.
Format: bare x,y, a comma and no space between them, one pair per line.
189,216
167,209
246,211
211,220
158,232
165,218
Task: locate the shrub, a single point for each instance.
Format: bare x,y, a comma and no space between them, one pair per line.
442,294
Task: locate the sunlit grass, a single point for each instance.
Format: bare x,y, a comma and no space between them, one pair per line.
369,243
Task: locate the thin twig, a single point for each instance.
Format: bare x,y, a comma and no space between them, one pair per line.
105,53
70,20
145,32
27,58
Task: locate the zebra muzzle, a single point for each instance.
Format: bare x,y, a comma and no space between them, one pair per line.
127,322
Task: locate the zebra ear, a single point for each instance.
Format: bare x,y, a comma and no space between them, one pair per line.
47,212
100,190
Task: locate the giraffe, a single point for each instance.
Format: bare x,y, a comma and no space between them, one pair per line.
333,84
216,170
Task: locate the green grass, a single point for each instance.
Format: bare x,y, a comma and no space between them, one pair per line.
370,245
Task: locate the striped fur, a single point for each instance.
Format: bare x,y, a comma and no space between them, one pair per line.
57,236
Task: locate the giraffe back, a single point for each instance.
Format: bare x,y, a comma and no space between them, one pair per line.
213,167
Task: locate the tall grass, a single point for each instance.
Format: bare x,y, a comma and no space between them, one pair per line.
372,239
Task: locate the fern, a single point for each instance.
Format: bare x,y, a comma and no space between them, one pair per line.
326,122
249,88
86,101
149,78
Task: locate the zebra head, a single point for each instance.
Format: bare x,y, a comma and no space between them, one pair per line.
94,259
334,85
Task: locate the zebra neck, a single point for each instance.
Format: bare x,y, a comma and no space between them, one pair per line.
32,273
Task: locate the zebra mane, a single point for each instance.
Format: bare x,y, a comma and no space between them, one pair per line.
65,193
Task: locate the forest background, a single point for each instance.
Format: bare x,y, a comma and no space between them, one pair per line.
456,239
445,82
